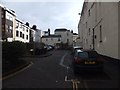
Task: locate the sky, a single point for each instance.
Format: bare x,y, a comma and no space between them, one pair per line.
47,14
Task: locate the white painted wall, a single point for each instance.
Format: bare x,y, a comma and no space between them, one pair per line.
38,36
65,35
51,41
25,30
106,15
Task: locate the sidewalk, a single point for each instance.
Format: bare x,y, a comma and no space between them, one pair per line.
111,60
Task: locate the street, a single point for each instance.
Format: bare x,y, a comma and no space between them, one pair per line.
56,71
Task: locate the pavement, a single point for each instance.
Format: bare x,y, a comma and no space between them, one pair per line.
111,60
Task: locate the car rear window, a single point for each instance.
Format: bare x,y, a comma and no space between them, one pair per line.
83,55
92,54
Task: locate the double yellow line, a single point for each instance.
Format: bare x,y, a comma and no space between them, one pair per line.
75,84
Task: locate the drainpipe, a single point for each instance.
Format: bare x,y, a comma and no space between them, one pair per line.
93,39
119,30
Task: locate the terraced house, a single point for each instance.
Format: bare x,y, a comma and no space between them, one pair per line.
66,35
8,24
22,31
99,27
14,29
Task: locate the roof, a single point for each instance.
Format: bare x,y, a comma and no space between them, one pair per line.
2,6
61,29
51,36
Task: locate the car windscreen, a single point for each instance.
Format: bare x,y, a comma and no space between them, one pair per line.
83,55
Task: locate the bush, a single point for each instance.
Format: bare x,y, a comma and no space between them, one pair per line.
13,50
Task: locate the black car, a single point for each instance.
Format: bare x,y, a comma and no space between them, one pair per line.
87,60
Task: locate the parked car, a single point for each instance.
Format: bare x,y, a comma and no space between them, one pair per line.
76,48
87,60
49,47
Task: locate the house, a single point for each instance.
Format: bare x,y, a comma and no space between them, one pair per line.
37,36
8,24
51,39
99,27
76,40
22,31
66,35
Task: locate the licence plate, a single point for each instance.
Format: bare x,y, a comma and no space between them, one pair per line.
89,62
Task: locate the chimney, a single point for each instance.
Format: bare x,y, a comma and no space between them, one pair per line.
48,32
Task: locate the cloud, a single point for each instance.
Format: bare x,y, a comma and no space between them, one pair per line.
48,14
41,0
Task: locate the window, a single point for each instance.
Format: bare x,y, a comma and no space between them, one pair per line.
51,39
20,25
67,40
83,55
23,28
7,26
17,33
17,25
8,17
2,16
100,33
67,34
27,30
20,34
46,39
89,12
11,18
3,26
11,27
23,36
86,24
27,37
58,39
9,30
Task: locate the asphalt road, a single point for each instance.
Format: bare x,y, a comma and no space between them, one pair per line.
56,71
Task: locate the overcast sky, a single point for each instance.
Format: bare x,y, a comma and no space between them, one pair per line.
48,14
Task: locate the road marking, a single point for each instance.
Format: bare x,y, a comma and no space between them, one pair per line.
62,60
13,74
75,83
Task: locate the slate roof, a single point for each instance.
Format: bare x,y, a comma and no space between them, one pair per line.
51,36
61,29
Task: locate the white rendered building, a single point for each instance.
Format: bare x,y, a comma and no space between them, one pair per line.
99,27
